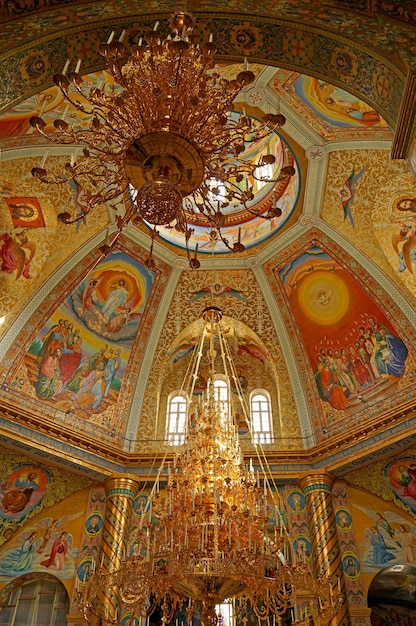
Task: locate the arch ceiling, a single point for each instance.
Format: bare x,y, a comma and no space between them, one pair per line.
321,305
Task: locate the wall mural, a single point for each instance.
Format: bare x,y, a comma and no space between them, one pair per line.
17,246
353,349
21,491
333,112
402,477
78,359
335,105
40,511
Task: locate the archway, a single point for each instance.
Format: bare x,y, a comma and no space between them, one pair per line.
34,600
392,596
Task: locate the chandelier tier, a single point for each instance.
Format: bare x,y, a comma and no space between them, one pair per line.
205,534
162,140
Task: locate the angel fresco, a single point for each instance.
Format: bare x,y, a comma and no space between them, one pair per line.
389,538
59,549
347,193
217,291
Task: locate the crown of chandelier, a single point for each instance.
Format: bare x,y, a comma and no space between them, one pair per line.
162,140
213,539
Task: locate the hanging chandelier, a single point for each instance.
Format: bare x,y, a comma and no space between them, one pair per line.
163,140
205,535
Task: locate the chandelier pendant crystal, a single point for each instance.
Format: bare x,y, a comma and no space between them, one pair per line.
206,535
162,140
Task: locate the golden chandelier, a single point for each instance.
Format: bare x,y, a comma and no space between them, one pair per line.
206,534
162,140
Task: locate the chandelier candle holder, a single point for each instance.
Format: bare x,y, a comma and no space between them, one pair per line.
162,141
205,534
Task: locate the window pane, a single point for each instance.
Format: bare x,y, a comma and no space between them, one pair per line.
176,420
261,418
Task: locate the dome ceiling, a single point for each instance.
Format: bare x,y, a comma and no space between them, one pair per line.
319,308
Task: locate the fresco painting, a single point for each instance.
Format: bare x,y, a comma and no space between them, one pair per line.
49,104
402,476
17,245
78,359
94,523
355,353
403,240
388,537
343,519
334,105
22,491
44,546
25,212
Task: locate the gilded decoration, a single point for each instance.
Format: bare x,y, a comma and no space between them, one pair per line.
31,488
272,42
369,225
99,318
259,361
33,250
393,218
389,480
316,274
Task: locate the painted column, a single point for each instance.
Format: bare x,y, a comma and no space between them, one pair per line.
120,494
317,487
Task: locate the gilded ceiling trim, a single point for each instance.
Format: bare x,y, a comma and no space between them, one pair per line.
298,391
373,76
138,397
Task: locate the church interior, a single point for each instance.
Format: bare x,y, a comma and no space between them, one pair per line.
288,298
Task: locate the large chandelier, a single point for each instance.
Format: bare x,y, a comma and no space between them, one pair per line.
213,540
163,139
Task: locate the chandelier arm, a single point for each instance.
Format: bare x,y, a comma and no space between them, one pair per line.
65,92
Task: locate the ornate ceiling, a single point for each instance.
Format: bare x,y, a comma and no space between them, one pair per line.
320,309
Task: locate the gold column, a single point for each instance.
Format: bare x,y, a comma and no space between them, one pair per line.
317,487
120,494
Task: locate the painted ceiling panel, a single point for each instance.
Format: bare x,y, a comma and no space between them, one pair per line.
343,261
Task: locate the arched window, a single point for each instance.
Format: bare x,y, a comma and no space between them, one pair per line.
222,396
176,419
261,418
35,602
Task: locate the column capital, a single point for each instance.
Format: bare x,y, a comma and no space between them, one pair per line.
318,480
124,485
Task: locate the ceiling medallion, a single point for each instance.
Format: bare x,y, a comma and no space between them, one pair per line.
163,140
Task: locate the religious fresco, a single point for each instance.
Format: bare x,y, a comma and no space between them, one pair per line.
395,227
242,224
49,104
45,545
384,526
17,247
402,477
333,112
41,512
355,353
78,359
21,491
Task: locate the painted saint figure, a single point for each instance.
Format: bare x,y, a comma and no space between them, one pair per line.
59,549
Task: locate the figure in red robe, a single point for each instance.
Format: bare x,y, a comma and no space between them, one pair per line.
59,549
